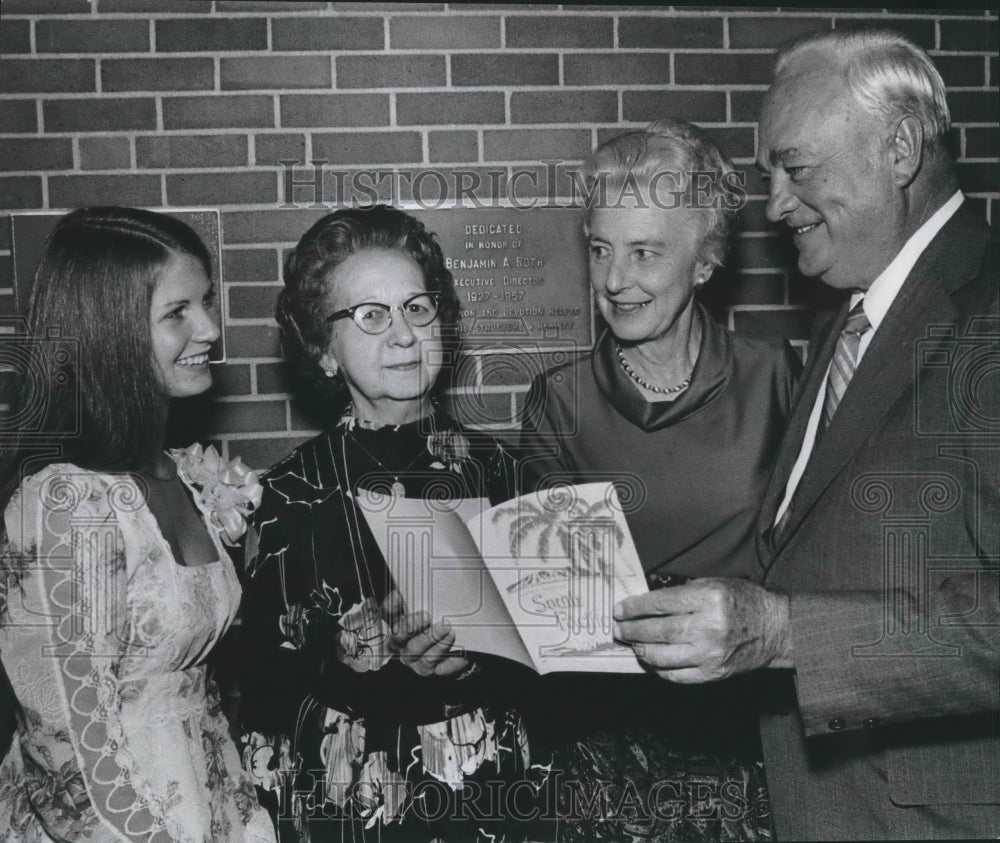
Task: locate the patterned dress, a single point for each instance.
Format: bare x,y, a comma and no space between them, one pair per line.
351,743
104,637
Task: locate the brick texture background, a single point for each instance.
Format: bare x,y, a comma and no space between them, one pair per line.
181,103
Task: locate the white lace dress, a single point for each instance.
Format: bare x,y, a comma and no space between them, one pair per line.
104,637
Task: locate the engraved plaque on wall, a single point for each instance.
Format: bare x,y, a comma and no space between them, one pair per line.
30,230
520,275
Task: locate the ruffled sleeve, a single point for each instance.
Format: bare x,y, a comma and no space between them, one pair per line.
64,639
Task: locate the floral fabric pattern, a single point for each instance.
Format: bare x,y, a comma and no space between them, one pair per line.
343,736
104,636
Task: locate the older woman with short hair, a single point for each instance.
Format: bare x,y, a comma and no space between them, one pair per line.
364,721
686,416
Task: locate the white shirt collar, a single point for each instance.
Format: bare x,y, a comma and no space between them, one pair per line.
881,294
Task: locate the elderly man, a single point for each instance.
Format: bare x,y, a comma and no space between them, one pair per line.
879,539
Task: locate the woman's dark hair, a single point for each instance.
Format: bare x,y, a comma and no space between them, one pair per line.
301,310
84,376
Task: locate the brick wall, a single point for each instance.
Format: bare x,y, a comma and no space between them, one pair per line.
183,103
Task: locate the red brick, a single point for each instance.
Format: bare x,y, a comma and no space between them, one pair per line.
260,454
183,7
994,75
286,225
973,106
247,417
194,35
759,33
20,192
616,69
752,181
36,154
231,379
764,253
416,71
186,74
533,144
270,149
980,177
982,143
723,68
789,324
260,72
564,106
672,32
218,112
263,6
753,216
962,71
46,7
755,289
478,108
973,35
77,191
735,141
642,106
340,148
921,32
498,70
248,187
15,37
444,32
244,341
562,31
334,110
37,76
110,153
92,36
18,116
177,151
5,224
389,7
746,105
275,378
246,302
327,34
250,265
453,146
107,114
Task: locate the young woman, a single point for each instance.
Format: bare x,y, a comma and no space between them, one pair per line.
116,583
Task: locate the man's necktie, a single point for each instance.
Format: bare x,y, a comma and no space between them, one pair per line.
842,366
845,361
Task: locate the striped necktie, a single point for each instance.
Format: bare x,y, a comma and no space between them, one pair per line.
845,361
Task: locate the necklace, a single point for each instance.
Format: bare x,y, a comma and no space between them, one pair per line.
397,489
662,390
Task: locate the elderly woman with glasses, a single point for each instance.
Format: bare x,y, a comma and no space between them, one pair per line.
362,720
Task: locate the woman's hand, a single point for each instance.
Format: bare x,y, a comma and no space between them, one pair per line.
424,648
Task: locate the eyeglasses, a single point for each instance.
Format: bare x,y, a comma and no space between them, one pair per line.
375,318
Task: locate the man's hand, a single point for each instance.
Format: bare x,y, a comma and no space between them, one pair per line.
707,629
425,649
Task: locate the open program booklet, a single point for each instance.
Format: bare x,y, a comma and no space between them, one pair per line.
535,579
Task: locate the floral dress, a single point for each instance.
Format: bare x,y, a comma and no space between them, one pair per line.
350,742
104,636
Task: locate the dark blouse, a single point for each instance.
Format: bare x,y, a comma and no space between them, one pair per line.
690,471
347,726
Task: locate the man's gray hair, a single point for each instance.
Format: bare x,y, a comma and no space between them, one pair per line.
675,154
889,76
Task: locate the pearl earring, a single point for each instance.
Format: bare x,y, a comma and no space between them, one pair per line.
331,372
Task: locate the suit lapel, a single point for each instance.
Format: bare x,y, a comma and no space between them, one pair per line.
888,368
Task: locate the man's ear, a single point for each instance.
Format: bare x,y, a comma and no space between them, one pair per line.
907,150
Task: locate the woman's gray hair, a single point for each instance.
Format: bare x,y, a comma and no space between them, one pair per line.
674,164
889,75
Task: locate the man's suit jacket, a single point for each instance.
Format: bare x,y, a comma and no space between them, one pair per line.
889,725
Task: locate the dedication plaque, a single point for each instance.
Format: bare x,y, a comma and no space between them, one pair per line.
520,275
